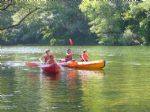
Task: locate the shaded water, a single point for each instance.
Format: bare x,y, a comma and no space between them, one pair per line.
123,85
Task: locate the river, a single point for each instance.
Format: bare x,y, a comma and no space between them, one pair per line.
122,86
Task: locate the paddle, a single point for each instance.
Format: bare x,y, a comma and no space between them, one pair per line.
37,64
70,42
70,39
32,64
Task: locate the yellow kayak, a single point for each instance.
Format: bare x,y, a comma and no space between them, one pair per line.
90,65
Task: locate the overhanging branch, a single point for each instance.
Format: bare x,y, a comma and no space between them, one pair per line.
8,4
15,25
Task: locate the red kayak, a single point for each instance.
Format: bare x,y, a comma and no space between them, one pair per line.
51,69
47,68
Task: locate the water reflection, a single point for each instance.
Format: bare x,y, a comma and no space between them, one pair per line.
45,76
92,87
51,76
87,74
124,86
72,79
64,91
32,76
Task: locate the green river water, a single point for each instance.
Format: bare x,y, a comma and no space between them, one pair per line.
122,86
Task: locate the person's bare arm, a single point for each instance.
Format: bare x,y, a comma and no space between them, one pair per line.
41,59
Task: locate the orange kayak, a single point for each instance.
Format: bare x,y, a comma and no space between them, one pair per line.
90,65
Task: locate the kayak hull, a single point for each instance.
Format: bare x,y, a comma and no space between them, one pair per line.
91,65
51,69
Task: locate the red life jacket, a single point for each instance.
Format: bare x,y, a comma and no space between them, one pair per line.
68,57
49,59
46,58
84,57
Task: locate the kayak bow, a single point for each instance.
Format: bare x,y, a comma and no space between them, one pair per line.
47,68
51,69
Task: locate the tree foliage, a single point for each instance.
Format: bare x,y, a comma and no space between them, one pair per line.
114,22
44,22
118,22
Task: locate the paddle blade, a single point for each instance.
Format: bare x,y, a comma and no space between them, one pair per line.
70,42
31,64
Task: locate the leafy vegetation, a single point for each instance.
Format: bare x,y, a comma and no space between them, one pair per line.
118,22
112,22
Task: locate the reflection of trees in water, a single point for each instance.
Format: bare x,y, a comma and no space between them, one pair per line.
55,92
72,79
92,83
83,75
7,88
86,76
49,84
65,90
32,76
62,94
19,91
87,83
51,76
73,85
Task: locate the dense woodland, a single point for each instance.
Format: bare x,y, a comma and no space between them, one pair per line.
87,22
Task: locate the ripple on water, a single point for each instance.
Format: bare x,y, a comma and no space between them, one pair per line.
14,63
110,55
33,58
108,61
7,107
25,69
5,98
137,64
20,50
6,95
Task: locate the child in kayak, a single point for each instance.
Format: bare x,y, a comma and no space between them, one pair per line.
68,55
48,58
84,56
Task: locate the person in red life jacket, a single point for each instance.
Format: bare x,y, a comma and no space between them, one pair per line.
51,60
48,58
68,55
84,56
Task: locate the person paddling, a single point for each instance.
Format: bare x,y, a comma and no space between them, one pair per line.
48,58
69,55
84,56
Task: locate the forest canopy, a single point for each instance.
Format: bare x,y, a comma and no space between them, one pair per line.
87,22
